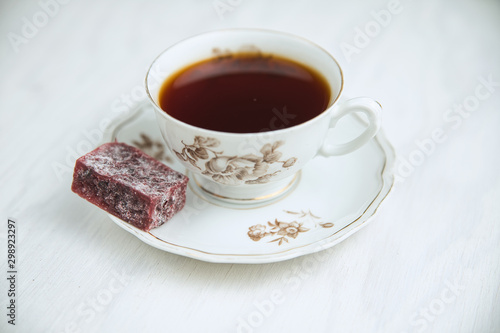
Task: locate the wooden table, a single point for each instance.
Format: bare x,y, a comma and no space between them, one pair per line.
430,259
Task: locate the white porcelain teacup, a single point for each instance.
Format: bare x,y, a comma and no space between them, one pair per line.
251,169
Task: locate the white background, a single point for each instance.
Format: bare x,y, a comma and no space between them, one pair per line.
429,261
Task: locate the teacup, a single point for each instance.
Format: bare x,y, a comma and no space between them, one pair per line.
252,169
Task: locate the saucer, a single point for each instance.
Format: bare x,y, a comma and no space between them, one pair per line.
333,198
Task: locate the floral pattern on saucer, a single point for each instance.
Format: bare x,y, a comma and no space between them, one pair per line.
154,148
213,236
282,231
234,170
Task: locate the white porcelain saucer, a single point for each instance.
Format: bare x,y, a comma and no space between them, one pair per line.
334,198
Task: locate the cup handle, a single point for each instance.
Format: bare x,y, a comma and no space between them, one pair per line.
370,108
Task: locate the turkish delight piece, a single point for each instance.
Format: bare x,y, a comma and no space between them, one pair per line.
129,184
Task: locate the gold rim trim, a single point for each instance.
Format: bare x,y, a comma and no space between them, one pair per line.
264,197
264,204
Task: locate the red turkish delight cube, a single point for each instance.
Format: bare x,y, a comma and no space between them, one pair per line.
130,185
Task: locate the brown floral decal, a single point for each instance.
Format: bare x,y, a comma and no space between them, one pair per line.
282,231
256,232
234,170
153,148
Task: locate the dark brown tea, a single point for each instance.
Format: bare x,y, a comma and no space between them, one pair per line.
245,93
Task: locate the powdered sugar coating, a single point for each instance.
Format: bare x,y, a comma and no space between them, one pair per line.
129,184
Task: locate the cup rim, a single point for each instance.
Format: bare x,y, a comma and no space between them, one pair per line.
331,104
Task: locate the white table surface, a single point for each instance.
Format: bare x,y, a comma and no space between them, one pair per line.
429,261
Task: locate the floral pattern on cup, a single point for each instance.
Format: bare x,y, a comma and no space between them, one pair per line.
282,231
234,170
